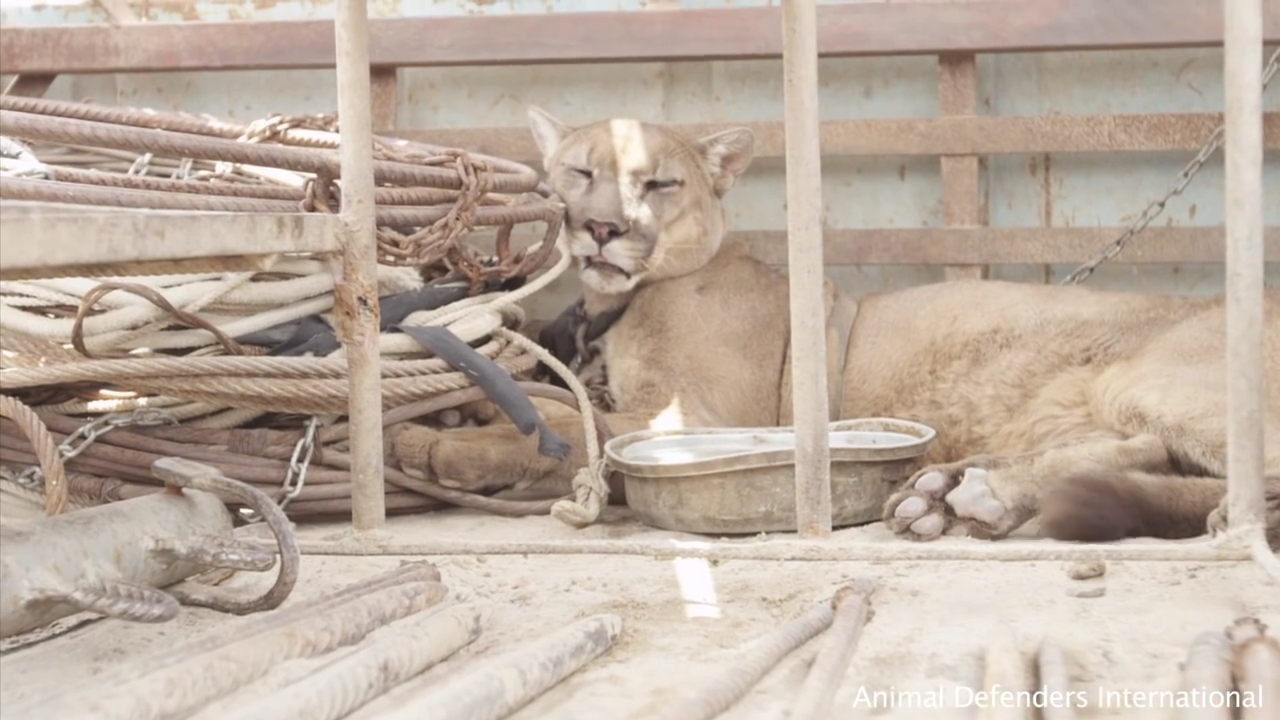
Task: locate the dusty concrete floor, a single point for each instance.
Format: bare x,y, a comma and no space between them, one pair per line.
931,620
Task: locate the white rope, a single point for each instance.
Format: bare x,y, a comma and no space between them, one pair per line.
237,305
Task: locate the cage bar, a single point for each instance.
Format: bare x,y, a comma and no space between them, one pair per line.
805,269
1245,280
356,284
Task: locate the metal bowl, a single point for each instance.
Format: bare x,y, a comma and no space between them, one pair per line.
742,480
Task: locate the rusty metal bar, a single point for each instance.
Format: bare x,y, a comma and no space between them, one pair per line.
1207,668
193,680
356,280
945,550
805,269
851,606
1002,245
1245,281
846,30
921,137
75,236
996,245
384,92
391,656
1256,667
502,685
739,674
961,174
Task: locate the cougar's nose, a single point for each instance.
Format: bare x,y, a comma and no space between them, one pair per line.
603,232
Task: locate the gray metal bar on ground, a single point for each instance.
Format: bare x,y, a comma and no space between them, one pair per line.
1004,670
189,683
804,269
1055,679
818,693
1257,669
709,699
356,288
58,555
1207,667
510,681
941,550
404,650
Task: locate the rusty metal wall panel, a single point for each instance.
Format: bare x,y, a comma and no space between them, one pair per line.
1080,190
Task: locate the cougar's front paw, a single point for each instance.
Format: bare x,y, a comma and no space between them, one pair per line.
444,457
954,499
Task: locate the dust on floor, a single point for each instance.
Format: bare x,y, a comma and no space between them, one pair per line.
683,620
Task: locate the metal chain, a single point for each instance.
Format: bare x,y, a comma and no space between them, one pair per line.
1180,183
89,433
296,477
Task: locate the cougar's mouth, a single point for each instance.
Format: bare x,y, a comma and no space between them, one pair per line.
601,265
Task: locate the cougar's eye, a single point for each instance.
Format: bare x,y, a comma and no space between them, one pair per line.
583,172
660,185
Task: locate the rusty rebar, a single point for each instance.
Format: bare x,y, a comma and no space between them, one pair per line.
46,128
116,600
1055,679
1256,667
192,681
397,653
506,683
78,193
75,193
1207,668
1005,668
219,128
851,606
736,677
262,191
129,453
190,475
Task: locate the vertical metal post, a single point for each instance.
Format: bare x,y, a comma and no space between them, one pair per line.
356,282
1242,79
805,268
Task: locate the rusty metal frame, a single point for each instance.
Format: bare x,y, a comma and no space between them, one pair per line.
844,30
956,32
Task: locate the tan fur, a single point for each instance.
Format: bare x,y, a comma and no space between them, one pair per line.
1032,388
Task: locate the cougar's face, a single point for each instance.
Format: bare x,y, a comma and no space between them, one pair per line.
642,203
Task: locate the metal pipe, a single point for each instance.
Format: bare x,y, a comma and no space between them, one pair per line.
1055,680
1207,669
1256,665
737,676
193,681
1242,77
818,693
1004,671
355,278
805,269
944,550
504,684
398,652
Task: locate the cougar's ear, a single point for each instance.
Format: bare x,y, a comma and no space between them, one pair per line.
728,154
548,132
